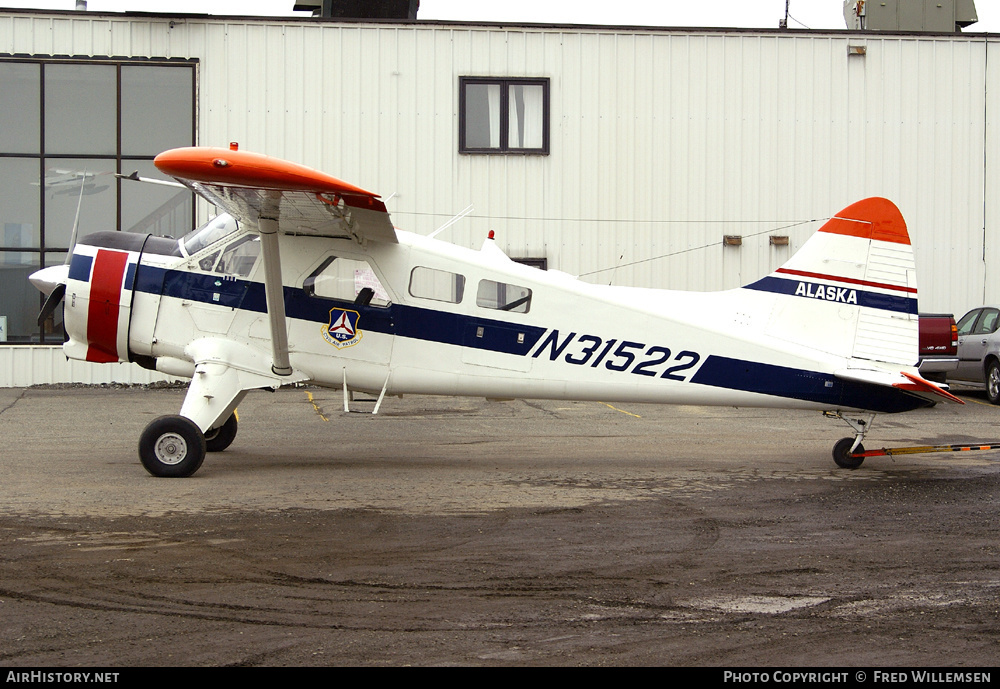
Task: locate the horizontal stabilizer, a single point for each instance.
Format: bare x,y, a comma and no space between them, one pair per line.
920,385
903,381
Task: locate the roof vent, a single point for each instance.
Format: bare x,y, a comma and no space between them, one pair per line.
940,16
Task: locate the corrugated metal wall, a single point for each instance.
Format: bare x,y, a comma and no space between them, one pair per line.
661,141
24,366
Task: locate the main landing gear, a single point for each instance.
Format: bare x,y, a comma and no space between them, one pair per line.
174,446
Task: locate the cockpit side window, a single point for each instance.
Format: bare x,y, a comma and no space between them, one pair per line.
206,262
346,279
240,257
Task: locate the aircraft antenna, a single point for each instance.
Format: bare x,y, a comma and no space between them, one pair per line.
451,222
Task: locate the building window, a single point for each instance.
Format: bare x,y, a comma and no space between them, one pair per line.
67,128
540,263
503,115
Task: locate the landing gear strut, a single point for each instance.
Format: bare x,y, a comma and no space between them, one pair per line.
846,450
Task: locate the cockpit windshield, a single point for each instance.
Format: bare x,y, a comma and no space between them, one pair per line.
215,229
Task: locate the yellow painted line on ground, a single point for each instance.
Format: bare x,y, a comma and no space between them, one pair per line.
969,399
315,406
621,410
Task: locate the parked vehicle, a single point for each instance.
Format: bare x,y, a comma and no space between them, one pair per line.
979,350
938,346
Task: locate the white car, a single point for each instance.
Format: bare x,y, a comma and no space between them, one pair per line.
979,350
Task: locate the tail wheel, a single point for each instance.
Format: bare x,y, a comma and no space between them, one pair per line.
172,446
218,439
842,454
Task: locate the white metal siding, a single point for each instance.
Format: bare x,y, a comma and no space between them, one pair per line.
45,364
661,141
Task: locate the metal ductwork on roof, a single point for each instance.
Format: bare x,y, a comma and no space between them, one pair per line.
359,9
910,15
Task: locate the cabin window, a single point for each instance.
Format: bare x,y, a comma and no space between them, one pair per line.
503,115
346,279
503,296
439,285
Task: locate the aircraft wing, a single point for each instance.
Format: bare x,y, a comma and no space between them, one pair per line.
278,197
250,186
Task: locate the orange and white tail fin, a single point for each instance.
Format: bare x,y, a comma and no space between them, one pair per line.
851,289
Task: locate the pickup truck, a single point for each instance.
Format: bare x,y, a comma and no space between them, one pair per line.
938,345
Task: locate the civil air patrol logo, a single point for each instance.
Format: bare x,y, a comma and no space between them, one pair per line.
342,330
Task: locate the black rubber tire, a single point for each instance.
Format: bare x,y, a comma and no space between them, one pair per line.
842,457
172,447
218,439
993,382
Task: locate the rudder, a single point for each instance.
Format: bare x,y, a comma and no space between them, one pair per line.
851,289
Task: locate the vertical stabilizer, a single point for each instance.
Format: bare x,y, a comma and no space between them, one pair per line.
851,290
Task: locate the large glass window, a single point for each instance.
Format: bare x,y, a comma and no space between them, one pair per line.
503,115
67,128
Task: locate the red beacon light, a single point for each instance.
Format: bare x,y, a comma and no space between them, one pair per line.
490,235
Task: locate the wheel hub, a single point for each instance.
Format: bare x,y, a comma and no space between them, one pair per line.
170,448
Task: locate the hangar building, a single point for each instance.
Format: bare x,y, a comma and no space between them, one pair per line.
680,158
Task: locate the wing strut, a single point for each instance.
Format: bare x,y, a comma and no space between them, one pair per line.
274,293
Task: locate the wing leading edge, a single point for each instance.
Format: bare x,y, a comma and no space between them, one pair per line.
304,201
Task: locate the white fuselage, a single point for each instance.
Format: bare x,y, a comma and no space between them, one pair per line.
572,340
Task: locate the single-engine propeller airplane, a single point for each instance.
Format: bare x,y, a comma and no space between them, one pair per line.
303,278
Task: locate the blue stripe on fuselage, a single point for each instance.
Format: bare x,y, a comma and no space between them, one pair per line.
845,295
810,386
79,267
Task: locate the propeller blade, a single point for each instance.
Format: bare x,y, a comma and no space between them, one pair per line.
51,302
76,222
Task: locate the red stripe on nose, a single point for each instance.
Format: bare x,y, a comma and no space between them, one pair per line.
105,297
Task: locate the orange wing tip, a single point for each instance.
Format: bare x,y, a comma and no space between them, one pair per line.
919,384
245,169
873,218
